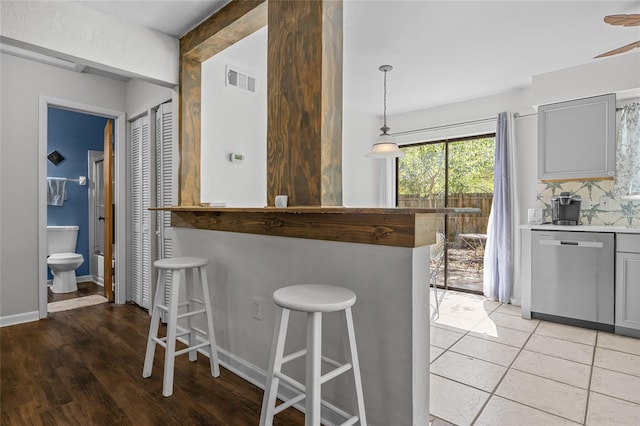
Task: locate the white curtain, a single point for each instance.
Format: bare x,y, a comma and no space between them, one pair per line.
498,256
628,151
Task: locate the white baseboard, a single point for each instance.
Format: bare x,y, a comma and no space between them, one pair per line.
19,318
82,279
258,377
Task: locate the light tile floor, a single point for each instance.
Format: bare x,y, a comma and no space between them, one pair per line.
491,367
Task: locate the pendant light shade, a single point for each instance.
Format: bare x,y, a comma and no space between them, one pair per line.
384,146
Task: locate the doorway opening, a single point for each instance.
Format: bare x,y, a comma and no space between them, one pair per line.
76,195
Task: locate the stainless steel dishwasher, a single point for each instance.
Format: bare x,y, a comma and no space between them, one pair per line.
572,278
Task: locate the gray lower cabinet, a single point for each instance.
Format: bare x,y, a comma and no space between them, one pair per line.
627,309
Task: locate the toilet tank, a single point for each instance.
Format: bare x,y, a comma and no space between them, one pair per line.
61,239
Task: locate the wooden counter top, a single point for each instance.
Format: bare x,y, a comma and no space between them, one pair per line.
306,210
398,227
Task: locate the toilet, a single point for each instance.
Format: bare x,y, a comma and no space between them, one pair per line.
61,244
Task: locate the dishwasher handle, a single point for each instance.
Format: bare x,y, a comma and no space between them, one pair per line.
586,244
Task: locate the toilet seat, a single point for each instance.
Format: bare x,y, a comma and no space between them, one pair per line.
64,258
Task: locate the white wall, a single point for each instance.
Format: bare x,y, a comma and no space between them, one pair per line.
618,74
141,96
390,313
72,31
235,121
22,83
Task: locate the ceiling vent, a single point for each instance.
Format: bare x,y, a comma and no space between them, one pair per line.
242,81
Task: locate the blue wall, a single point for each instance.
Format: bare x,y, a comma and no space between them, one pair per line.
73,134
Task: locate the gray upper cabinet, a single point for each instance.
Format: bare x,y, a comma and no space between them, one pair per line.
577,139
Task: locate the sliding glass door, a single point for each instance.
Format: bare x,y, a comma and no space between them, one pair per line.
452,173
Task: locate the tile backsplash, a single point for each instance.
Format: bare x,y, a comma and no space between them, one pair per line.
620,212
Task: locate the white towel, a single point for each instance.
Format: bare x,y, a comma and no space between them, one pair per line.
55,191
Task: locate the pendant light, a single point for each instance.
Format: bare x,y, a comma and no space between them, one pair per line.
385,147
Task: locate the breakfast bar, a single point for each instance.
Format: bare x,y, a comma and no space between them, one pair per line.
382,255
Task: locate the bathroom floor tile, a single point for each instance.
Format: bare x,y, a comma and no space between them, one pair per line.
488,330
455,402
558,369
619,343
512,321
468,370
567,332
443,338
606,411
617,385
544,394
621,362
486,350
560,348
500,411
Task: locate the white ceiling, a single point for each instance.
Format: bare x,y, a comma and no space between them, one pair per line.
442,51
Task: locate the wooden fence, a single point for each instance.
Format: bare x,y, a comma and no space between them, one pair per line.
457,224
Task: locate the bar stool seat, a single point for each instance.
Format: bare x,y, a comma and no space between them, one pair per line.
191,267
314,300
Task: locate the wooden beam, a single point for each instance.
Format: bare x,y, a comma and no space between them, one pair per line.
229,25
232,23
397,230
304,125
190,132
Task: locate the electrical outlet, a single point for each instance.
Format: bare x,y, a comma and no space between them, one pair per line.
605,203
256,308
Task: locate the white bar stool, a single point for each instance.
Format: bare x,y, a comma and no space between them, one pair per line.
314,300
192,266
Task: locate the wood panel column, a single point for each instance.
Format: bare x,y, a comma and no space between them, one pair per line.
304,124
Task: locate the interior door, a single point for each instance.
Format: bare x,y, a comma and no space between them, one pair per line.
165,185
108,210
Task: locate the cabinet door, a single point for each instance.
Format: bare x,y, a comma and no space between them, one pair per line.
628,290
576,139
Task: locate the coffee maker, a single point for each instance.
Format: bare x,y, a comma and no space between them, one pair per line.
565,209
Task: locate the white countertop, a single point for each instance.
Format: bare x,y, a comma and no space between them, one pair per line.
584,228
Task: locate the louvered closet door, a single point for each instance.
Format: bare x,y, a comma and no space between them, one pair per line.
165,183
141,160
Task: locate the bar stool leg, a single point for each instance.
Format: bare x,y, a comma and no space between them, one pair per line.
275,364
213,351
153,327
314,358
170,353
355,363
191,306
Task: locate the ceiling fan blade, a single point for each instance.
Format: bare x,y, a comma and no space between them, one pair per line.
634,45
629,20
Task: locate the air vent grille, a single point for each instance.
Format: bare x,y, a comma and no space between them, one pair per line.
240,80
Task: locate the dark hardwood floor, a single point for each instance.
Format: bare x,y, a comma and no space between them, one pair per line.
87,288
84,367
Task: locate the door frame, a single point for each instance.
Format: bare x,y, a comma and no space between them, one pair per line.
120,191
93,157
